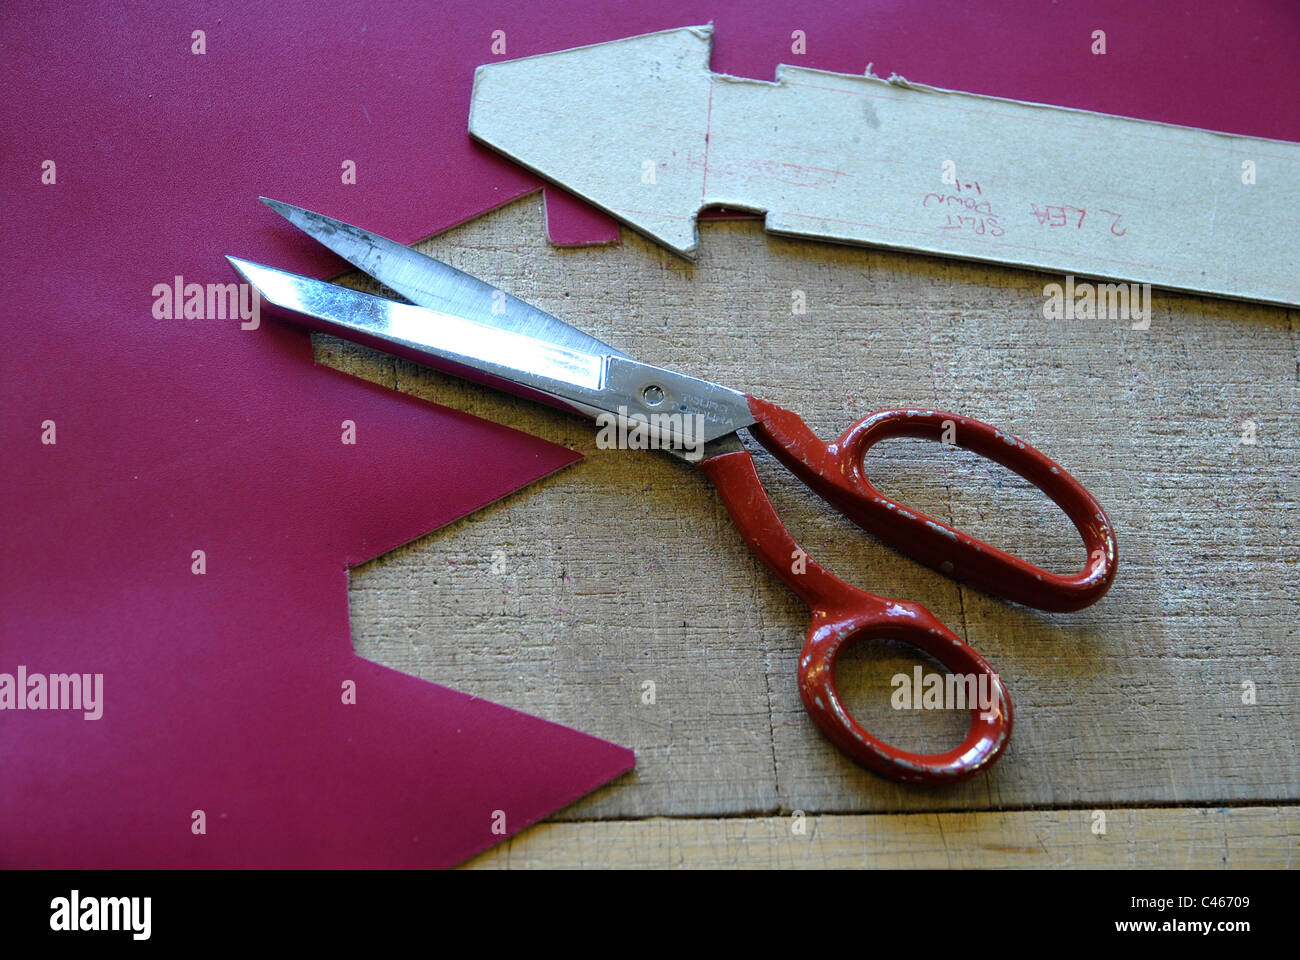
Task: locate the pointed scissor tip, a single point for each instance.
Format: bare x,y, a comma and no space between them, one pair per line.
285,209
272,285
242,268
302,218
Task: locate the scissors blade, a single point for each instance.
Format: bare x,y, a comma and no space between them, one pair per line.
587,382
434,284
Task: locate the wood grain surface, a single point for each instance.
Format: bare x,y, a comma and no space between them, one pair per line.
567,598
1186,838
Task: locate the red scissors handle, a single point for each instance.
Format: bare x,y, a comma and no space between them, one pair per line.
842,614
834,471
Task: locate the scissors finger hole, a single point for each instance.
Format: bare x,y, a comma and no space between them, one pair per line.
983,498
902,695
953,688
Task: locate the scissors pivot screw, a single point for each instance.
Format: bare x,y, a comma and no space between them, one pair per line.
653,395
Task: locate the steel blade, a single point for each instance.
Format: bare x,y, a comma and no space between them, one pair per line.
439,286
586,382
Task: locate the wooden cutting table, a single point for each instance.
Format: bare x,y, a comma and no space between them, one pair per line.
1156,728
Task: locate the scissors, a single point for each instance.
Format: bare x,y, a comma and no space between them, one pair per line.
462,325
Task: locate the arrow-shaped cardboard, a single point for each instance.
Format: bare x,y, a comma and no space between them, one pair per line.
641,128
